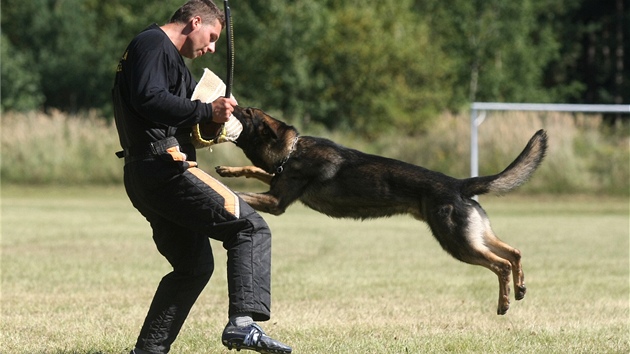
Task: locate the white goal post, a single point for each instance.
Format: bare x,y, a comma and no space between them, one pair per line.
478,114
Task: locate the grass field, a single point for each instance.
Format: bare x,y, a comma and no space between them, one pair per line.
79,270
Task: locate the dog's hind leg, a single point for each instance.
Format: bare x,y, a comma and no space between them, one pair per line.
464,232
503,269
501,249
482,246
513,255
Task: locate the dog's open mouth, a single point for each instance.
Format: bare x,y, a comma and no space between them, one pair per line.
214,133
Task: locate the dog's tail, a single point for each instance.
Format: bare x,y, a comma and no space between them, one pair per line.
517,173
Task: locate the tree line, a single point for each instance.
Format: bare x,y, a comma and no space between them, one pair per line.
366,65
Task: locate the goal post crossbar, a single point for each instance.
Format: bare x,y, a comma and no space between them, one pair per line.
481,108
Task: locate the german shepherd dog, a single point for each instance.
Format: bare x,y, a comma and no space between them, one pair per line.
345,183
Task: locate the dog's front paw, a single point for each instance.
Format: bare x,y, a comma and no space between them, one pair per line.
226,171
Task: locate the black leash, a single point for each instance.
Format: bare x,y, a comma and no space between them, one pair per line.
230,49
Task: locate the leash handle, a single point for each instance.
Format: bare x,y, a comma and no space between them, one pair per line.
230,49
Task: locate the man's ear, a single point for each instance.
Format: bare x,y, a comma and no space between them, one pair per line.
195,22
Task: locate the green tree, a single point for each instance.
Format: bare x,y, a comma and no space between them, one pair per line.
592,62
275,54
71,47
501,48
384,71
20,86
61,42
367,65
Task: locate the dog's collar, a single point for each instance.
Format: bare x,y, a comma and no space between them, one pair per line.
280,167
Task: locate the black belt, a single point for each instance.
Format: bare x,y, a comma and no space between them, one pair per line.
137,157
153,150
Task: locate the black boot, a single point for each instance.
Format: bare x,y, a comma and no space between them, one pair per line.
252,337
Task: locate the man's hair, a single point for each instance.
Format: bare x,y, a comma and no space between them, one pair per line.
206,9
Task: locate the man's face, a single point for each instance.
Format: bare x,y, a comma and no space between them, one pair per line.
201,39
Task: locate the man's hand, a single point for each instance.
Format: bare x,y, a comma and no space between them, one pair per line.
222,108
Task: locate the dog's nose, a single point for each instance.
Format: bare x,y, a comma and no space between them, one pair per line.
239,111
249,111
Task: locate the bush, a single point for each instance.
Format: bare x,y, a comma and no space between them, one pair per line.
584,156
60,149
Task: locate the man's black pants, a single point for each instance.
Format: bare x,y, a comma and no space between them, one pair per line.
184,208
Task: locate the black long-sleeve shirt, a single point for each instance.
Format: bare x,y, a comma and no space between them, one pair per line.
152,91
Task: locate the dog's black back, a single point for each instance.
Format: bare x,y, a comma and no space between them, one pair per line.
349,183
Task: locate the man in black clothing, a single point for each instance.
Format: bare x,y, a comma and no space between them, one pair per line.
184,205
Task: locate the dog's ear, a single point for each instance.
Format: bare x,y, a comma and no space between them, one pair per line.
268,130
268,125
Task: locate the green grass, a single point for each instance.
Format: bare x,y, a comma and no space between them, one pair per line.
79,270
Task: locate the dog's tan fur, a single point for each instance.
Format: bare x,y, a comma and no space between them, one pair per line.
342,182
